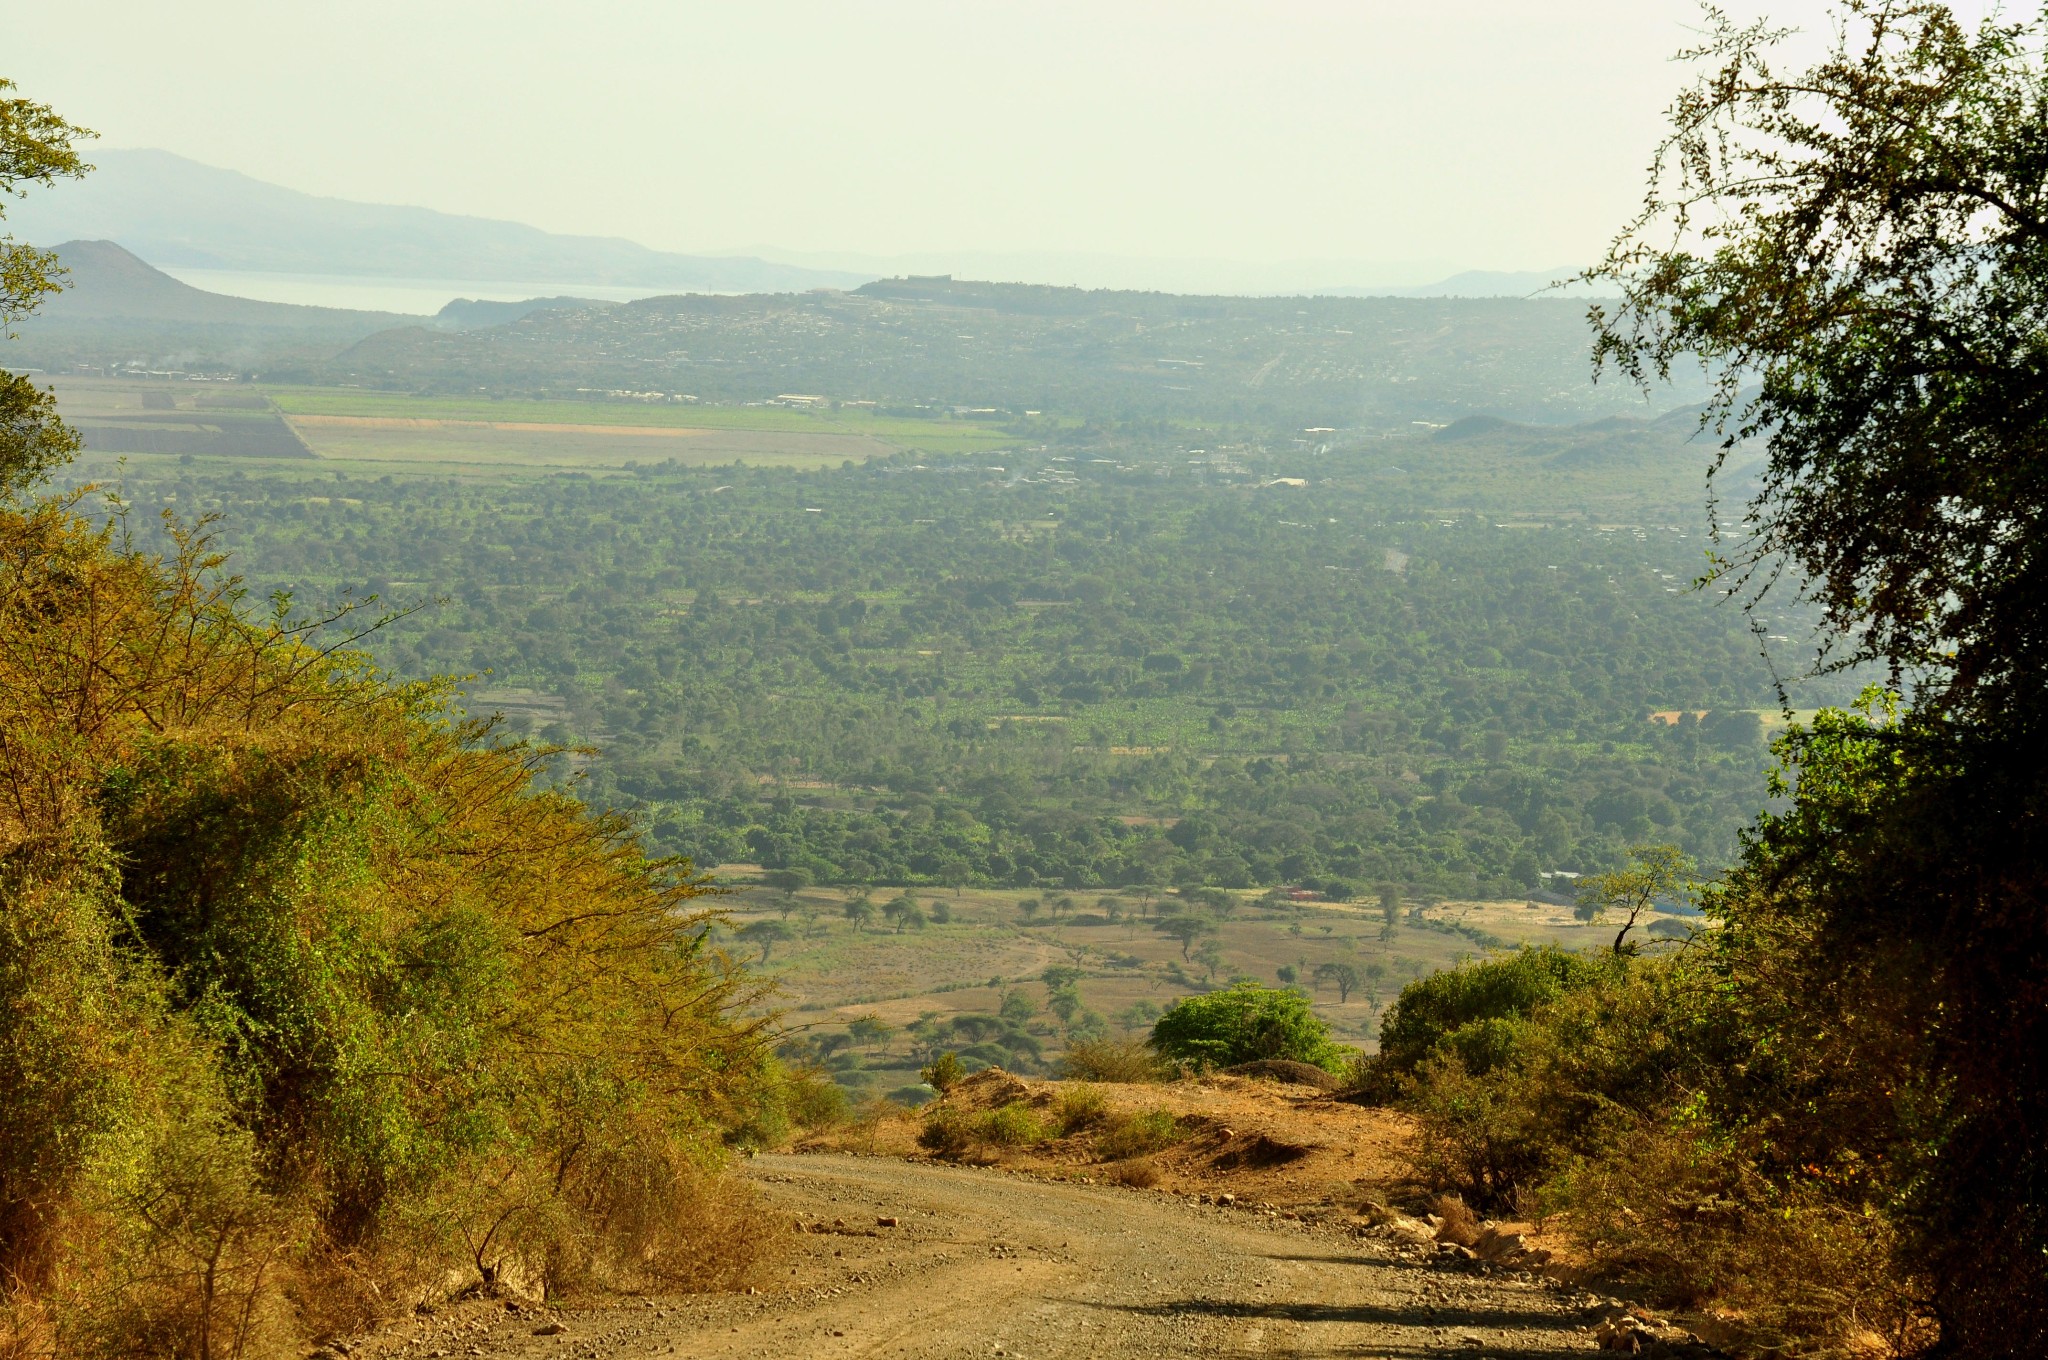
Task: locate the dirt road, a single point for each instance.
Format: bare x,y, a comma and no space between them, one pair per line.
984,1263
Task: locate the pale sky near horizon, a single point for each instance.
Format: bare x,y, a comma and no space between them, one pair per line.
1481,134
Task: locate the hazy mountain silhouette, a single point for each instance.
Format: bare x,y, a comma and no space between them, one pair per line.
109,283
176,212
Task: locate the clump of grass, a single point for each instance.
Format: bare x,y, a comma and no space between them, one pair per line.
1014,1125
1460,1224
953,1132
1139,1173
1115,1060
947,1131
1125,1136
1078,1109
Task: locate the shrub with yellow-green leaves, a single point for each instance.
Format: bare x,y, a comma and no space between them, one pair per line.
309,991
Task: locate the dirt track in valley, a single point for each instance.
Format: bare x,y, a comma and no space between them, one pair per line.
984,1262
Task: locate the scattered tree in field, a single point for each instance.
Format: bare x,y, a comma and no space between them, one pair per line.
1342,976
1287,974
766,935
904,910
859,911
868,1031
1210,955
1186,930
1028,909
1017,1007
788,882
1653,872
941,913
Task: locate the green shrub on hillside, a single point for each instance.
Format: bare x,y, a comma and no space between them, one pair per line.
1242,1024
1474,1007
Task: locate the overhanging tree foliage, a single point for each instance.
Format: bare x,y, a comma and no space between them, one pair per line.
1860,253
35,148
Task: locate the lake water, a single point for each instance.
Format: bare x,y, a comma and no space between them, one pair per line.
413,297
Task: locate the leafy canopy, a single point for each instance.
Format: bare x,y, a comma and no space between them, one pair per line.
1860,253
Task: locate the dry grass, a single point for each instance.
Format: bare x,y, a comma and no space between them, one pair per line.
1128,1135
1139,1173
1117,1060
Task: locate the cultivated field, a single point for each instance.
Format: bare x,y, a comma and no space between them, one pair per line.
387,432
562,446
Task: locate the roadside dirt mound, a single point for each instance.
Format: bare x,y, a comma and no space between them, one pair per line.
1287,1149
991,1089
1286,1070
1259,1150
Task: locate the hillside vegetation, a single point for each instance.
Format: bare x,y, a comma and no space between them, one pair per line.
310,996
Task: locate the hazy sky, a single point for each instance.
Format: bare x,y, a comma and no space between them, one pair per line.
1499,134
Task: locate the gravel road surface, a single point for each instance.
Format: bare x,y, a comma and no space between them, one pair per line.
986,1263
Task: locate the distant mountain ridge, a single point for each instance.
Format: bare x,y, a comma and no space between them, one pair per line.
178,212
106,282
181,214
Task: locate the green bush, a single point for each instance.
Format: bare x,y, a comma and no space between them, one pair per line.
1245,1023
1431,1009
296,968
1505,1104
816,1102
944,1072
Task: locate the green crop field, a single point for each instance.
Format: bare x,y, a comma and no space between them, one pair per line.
385,426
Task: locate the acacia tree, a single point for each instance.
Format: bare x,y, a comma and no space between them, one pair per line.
1342,976
1186,929
1652,872
766,934
1858,253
